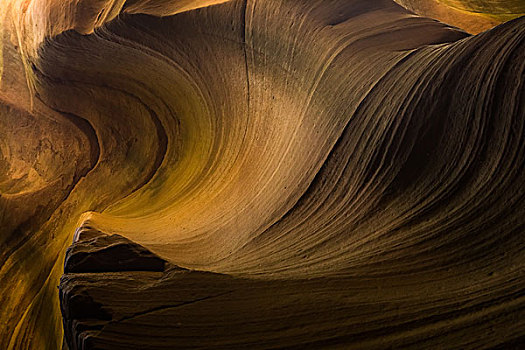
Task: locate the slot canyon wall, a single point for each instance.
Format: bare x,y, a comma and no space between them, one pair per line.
262,174
473,16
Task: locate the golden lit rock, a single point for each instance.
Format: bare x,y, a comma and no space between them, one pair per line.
474,16
261,174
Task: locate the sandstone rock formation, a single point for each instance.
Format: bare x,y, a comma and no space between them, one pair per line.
260,174
472,15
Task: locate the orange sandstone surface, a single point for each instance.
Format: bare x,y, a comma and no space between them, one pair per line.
262,174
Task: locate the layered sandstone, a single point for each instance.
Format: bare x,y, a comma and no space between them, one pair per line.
244,174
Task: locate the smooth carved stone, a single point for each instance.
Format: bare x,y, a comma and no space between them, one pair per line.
349,173
110,253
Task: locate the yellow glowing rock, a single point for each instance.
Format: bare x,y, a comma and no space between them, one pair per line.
474,16
274,142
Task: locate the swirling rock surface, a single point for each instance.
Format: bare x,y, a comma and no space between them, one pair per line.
472,15
292,173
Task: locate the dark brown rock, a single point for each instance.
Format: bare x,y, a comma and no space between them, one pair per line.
105,253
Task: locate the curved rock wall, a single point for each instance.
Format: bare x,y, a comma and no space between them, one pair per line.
474,16
272,141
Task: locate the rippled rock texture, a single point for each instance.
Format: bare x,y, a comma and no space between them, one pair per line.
472,15
260,174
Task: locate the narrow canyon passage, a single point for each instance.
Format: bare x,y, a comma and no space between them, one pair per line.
262,174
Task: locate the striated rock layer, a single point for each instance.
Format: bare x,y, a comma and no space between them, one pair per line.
259,174
472,15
